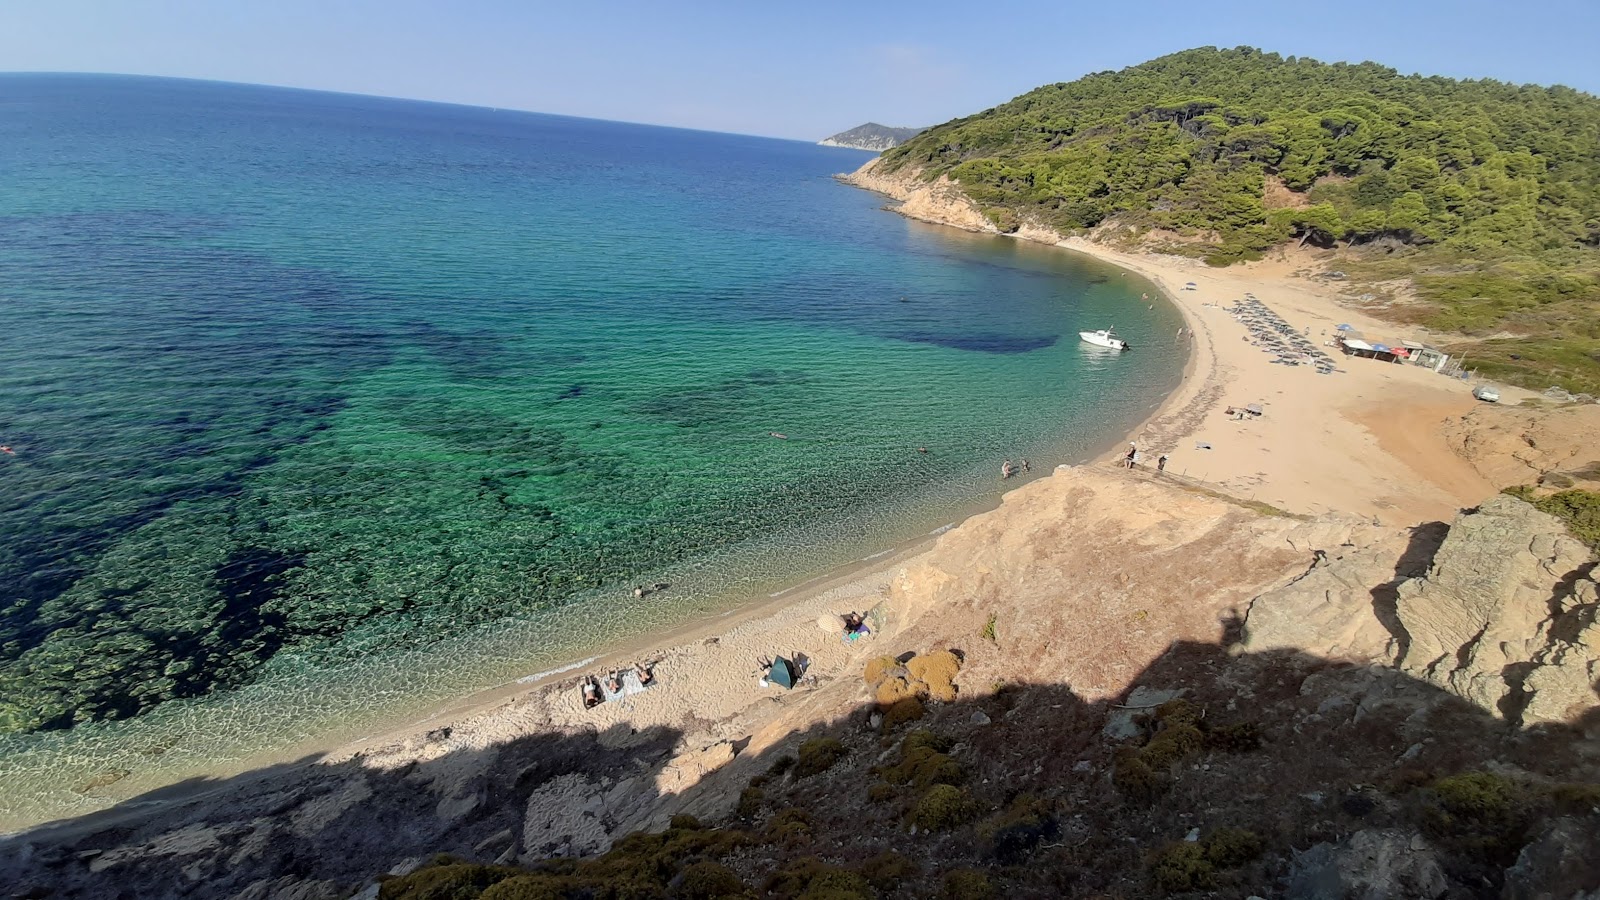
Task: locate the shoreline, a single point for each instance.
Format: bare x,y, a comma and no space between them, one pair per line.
861,580
1363,441
704,662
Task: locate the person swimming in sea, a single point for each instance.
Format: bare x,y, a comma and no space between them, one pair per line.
779,436
8,451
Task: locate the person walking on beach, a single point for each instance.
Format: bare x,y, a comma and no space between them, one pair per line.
1133,451
1161,463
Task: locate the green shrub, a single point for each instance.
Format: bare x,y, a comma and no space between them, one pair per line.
1134,779
1228,847
818,755
988,632
1241,737
892,690
886,870
921,766
937,671
1171,744
1575,799
1025,823
706,880
1183,866
879,668
1578,509
1178,712
943,807
781,765
908,710
922,737
447,880
1478,813
881,793
966,884
685,822
750,801
533,886
809,878
790,827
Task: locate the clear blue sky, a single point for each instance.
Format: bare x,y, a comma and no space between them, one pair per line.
800,70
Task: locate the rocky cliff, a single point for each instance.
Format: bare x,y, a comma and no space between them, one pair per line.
1504,615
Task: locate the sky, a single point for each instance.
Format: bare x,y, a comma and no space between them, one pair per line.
782,69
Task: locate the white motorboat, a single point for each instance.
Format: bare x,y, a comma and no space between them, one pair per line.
1106,338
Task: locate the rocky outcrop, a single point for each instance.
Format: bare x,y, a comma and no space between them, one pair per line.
1508,445
1505,616
1370,865
1335,609
1562,863
939,201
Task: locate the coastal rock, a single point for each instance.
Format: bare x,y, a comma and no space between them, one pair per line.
939,201
1332,610
1505,615
316,814
290,888
565,818
686,770
1509,445
1370,865
1562,863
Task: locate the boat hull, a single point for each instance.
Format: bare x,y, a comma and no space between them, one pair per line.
1101,339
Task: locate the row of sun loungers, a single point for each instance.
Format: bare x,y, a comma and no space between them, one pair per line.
1274,336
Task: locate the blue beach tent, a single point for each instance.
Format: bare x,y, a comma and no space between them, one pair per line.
783,672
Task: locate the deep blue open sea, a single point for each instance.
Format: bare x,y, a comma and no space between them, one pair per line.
325,408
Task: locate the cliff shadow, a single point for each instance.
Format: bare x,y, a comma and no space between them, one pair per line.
1211,771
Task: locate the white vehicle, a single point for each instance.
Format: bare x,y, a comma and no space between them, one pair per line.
1486,393
1106,338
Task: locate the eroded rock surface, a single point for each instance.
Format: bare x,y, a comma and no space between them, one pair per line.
1505,616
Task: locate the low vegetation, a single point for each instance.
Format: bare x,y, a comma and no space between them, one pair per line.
1579,509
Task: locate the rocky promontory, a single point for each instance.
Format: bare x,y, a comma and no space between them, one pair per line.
871,136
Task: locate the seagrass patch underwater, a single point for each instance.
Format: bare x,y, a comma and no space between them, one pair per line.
308,392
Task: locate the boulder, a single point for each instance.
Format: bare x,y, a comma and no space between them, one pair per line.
1562,863
1375,864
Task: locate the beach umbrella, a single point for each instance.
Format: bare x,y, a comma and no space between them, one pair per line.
1381,348
1341,327
782,672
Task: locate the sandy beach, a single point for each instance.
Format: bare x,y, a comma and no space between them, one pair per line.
1363,441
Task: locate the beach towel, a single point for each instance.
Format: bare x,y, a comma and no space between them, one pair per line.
630,686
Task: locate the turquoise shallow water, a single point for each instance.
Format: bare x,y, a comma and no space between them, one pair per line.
328,407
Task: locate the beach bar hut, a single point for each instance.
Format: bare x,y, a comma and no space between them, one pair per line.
1354,346
1423,355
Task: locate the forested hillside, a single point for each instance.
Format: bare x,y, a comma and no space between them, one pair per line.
1487,193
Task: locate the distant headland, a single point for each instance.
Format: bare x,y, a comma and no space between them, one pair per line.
871,136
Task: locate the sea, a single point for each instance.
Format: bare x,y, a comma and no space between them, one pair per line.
325,409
